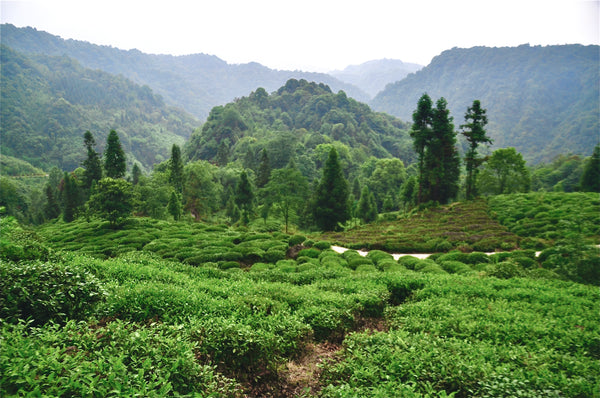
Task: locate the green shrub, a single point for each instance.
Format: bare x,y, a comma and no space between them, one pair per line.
477,258
366,268
296,240
273,255
228,265
453,256
409,262
312,253
505,270
322,245
355,261
455,267
377,256
46,292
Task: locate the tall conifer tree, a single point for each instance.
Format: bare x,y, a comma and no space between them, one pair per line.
331,202
264,170
114,157
92,163
475,133
176,169
421,133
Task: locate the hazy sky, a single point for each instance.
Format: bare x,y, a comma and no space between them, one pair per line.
315,35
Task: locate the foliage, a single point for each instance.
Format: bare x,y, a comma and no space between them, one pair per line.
475,134
331,202
504,172
541,100
176,169
546,217
287,189
431,230
112,200
92,164
292,123
563,174
114,157
40,292
590,179
47,101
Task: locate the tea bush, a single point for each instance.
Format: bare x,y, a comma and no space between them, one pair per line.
43,292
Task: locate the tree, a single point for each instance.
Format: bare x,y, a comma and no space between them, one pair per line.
114,157
474,132
264,170
421,132
367,208
201,191
136,173
244,196
51,208
70,197
176,169
287,191
223,153
174,206
386,180
590,179
92,164
112,200
504,172
331,201
441,170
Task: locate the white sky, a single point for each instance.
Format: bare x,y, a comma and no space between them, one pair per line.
312,35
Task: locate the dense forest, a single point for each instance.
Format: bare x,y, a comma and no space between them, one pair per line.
196,82
48,102
543,101
302,120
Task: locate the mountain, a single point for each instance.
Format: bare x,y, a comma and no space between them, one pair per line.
195,82
300,120
47,103
373,76
543,101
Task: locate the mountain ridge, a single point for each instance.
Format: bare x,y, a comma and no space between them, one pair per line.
541,100
195,82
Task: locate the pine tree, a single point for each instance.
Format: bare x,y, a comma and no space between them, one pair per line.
474,132
114,157
174,206
590,179
176,169
136,173
264,170
92,164
331,202
421,132
367,208
70,198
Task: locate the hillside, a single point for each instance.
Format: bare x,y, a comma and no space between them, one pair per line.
543,101
194,82
373,76
293,122
49,102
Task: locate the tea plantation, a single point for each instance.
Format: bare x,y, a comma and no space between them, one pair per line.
179,309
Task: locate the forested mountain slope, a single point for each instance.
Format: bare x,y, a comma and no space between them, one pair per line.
295,121
541,100
373,76
47,103
194,82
